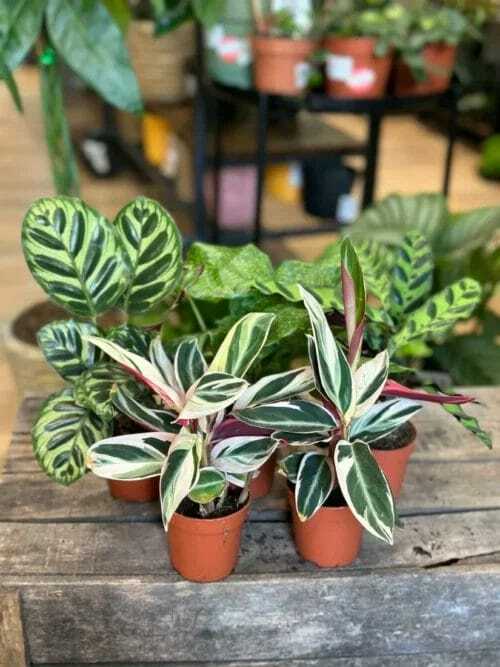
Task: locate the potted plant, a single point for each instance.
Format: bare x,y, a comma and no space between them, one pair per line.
283,47
427,49
108,277
359,47
204,471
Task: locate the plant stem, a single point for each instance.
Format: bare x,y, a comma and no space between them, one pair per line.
197,314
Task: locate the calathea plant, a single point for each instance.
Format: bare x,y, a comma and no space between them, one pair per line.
212,453
90,267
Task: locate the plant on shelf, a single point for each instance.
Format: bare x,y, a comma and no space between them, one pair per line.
109,277
170,14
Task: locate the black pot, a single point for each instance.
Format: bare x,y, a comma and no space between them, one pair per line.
326,180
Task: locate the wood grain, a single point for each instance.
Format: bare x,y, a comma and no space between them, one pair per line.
12,640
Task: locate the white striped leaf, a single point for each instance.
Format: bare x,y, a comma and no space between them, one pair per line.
302,439
134,339
153,253
277,387
365,488
315,478
354,296
65,348
333,368
93,388
62,434
142,369
212,392
240,455
141,410
291,416
242,344
210,485
383,418
162,362
239,480
74,255
369,380
180,472
289,466
129,457
189,364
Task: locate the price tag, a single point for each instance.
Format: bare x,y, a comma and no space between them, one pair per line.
302,72
339,68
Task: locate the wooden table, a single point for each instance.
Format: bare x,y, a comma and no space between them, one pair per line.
95,586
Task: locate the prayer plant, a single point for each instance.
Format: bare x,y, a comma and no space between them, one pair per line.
194,445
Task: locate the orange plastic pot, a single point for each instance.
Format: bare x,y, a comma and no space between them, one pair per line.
281,65
439,62
393,463
331,538
353,69
136,491
261,485
205,550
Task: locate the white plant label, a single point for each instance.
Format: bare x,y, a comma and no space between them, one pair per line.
347,209
339,68
302,73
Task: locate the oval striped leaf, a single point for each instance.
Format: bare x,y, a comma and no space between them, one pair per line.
73,254
133,339
129,457
315,478
210,485
242,344
369,381
93,388
291,416
212,392
412,275
242,455
152,251
383,418
66,349
161,361
365,489
302,439
189,364
62,434
277,387
289,466
142,409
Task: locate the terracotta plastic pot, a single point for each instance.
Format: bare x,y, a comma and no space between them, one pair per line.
439,62
393,463
281,65
353,69
137,491
205,549
331,538
260,486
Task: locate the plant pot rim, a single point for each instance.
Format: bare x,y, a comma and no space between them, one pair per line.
409,443
343,38
265,42
207,525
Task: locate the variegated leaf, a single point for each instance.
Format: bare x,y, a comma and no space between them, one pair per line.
189,364
153,253
242,455
62,434
213,392
133,339
162,362
291,416
65,348
411,275
333,368
237,480
369,381
354,296
365,488
93,388
302,439
277,387
180,472
142,369
315,478
74,255
242,344
129,402
210,485
383,418
289,466
129,457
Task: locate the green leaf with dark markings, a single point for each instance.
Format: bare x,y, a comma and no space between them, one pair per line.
73,254
411,275
62,435
189,364
315,478
93,388
66,349
130,401
153,253
133,339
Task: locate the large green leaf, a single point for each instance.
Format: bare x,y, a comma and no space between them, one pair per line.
130,401
212,392
7,76
152,251
92,44
20,24
467,231
276,387
315,478
439,314
62,434
383,418
129,457
365,488
292,416
242,454
170,14
208,11
93,388
411,275
73,254
210,485
66,348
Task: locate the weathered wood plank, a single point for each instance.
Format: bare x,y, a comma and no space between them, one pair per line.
12,641
139,549
141,619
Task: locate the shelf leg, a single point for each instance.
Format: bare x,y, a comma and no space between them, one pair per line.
200,161
375,121
217,165
452,134
261,162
